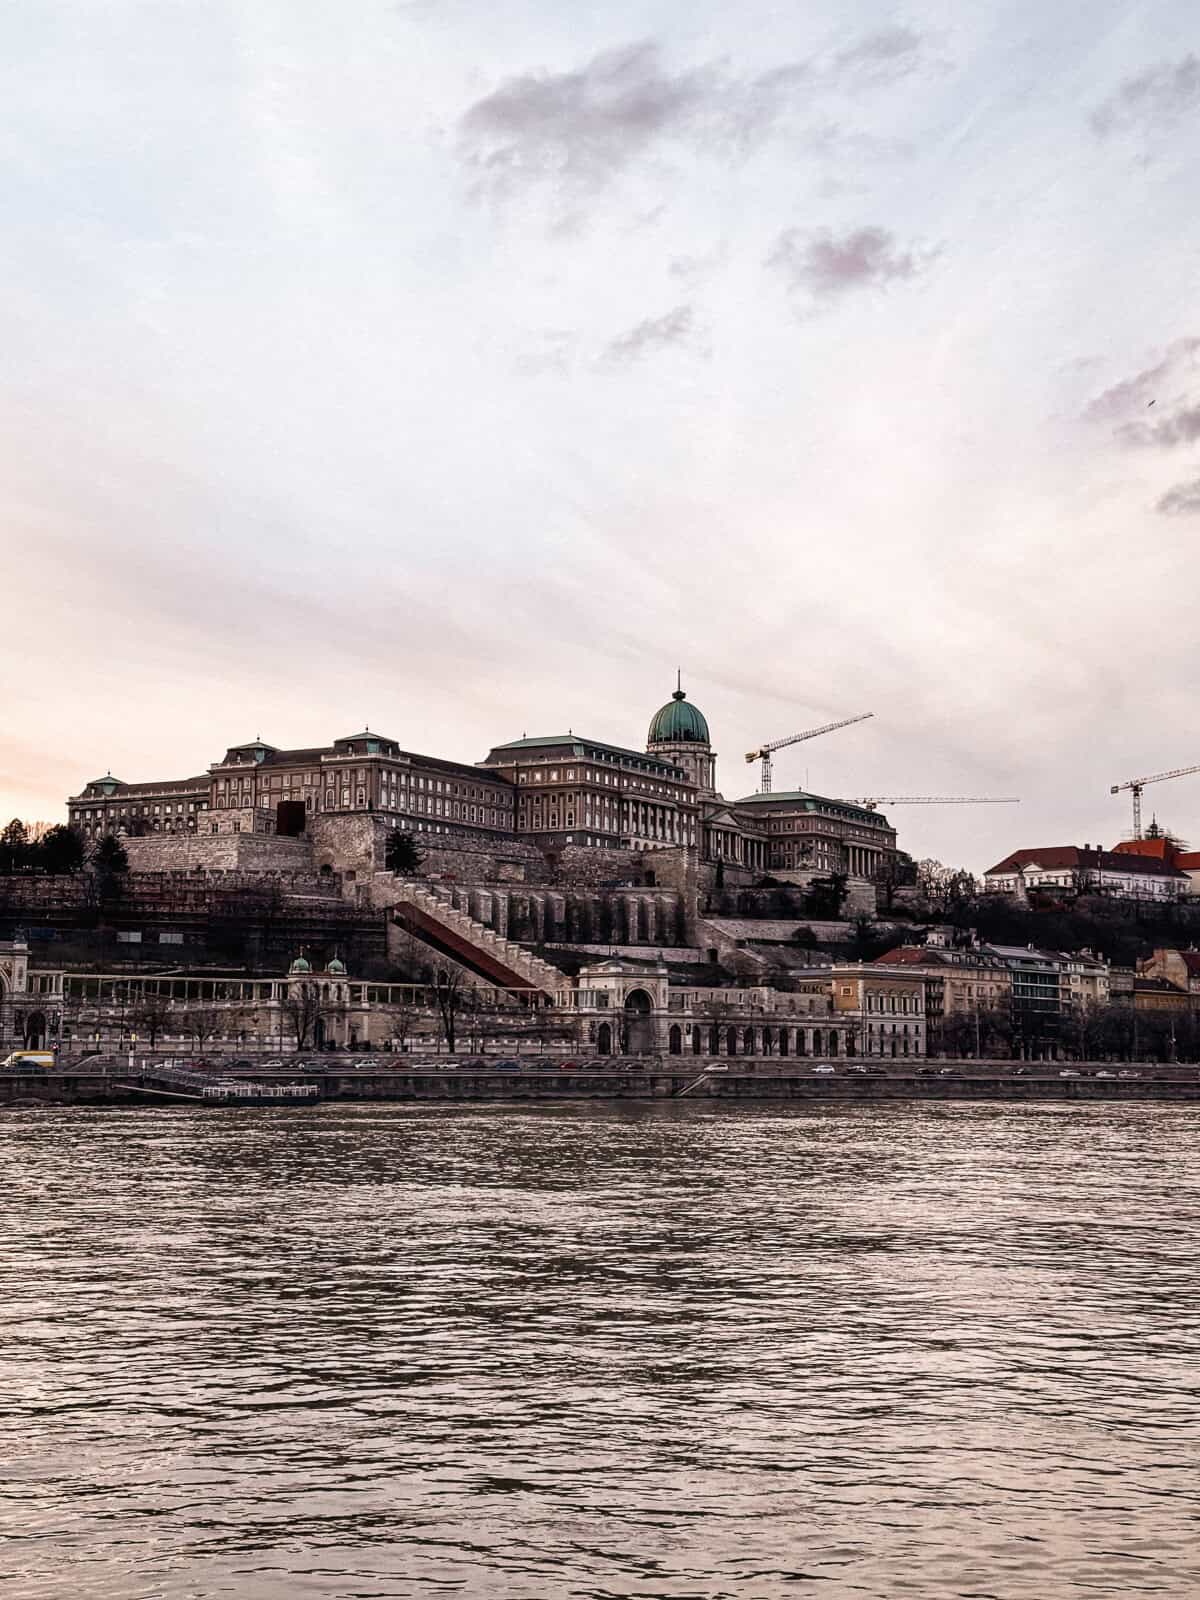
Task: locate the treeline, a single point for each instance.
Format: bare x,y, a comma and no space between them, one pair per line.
60,852
1086,1033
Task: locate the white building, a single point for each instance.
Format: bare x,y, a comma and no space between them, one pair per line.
1080,869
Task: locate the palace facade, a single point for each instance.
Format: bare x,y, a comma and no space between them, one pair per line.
552,790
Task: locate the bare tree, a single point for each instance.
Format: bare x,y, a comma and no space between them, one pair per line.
451,995
150,1014
303,1007
403,1018
203,1023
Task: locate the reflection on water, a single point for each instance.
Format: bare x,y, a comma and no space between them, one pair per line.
600,1352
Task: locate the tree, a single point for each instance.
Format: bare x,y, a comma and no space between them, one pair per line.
109,857
451,994
149,1014
203,1023
947,891
400,853
826,897
302,1005
895,871
59,852
14,847
403,1017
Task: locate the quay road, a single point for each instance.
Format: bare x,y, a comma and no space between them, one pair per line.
117,1080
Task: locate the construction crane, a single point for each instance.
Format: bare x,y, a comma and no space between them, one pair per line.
873,801
1138,784
764,754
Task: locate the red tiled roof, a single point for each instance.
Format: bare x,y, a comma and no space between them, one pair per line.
904,955
1073,855
1161,849
1188,861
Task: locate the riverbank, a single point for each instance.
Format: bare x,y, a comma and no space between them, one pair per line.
654,1078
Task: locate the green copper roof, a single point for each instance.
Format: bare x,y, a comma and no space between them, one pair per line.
811,802
679,722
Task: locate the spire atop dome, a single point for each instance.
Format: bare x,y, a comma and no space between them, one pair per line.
679,694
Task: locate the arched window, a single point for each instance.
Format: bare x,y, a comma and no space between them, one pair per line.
675,1040
731,1042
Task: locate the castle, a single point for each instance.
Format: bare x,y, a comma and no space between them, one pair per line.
555,791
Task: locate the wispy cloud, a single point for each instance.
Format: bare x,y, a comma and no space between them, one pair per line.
1181,501
676,327
582,127
891,53
826,265
1154,100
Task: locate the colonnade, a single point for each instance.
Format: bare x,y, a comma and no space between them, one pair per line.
598,916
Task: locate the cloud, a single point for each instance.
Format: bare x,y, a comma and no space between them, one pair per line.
891,53
1158,98
1181,427
826,265
674,328
1134,394
1181,501
582,127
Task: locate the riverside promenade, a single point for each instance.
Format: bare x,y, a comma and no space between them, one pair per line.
445,1079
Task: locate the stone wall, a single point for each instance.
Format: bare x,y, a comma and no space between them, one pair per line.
225,852
771,931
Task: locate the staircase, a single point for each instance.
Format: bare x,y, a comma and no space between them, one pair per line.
468,941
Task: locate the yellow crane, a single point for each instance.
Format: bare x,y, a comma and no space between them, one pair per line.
764,752
1136,785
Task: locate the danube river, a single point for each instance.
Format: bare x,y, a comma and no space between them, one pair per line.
601,1352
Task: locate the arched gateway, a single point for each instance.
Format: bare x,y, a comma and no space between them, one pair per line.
639,1028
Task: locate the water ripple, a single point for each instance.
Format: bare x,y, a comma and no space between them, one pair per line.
647,1353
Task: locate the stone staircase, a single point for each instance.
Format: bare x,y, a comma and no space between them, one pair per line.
500,961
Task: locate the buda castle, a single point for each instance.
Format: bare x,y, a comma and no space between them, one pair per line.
551,791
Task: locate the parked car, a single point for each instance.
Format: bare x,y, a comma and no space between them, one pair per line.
505,1066
1069,1072
1128,1072
570,1066
824,1067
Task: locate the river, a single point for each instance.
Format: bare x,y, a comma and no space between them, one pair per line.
600,1351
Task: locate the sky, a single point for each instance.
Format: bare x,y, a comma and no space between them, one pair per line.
462,369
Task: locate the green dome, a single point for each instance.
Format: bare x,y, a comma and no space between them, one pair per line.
678,722
336,965
300,965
